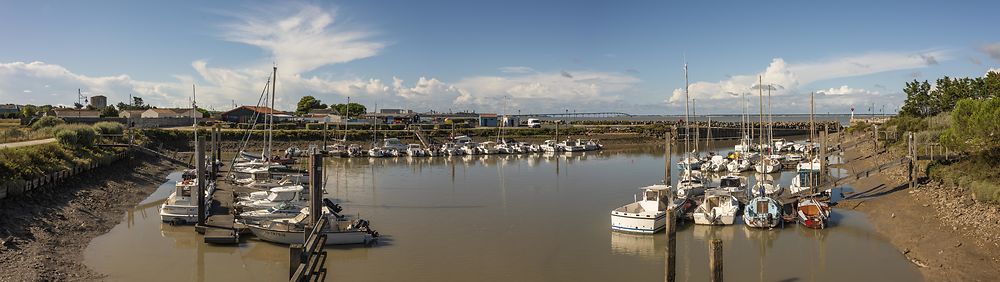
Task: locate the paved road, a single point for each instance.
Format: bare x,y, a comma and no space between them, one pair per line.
26,143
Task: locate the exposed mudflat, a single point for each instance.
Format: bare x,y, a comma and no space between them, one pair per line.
43,233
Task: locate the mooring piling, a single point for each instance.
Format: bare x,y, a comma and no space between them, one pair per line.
715,261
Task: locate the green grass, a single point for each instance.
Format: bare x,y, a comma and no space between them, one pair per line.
26,163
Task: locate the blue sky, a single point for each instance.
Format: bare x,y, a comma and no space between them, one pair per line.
534,56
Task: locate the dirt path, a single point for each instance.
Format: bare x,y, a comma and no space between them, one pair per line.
44,233
26,143
940,229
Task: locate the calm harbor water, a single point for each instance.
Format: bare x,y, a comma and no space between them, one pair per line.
504,218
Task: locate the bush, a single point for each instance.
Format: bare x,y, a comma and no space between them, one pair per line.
47,121
75,135
109,127
67,138
986,192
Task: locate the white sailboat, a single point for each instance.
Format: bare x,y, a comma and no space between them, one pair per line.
292,230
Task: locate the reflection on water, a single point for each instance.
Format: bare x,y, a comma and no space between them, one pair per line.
520,218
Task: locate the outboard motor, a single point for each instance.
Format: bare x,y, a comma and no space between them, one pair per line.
335,208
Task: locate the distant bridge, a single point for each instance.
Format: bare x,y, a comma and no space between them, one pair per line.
574,114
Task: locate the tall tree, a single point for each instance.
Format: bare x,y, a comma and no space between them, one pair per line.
354,109
918,99
308,103
109,111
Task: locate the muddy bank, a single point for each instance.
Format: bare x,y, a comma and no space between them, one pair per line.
945,233
44,232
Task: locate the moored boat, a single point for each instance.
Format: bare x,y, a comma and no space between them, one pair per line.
646,215
812,213
719,207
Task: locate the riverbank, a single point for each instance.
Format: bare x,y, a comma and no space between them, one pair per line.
946,234
44,232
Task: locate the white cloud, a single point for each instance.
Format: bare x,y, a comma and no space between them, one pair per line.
992,50
304,41
793,76
545,91
846,90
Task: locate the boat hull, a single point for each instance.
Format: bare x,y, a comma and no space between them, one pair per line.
293,237
645,223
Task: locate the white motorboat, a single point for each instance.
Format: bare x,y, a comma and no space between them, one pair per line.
572,146
689,163
292,230
284,210
733,183
768,165
415,150
794,157
717,163
550,146
470,148
738,165
451,149
393,152
393,143
487,148
646,215
354,150
181,207
592,145
376,152
294,195
719,207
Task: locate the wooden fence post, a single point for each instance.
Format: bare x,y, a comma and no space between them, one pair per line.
671,249
715,261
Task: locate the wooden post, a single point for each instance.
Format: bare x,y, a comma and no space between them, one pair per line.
666,149
670,272
715,261
294,258
911,151
199,153
822,159
211,153
315,188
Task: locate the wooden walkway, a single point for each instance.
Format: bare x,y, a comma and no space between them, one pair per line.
220,227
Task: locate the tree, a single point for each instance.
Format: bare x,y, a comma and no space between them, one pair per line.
137,103
974,124
204,112
918,99
29,111
77,106
308,103
354,109
109,111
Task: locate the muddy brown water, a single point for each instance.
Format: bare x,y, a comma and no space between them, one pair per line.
504,218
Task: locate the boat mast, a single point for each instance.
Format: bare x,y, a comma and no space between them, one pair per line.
687,112
760,93
697,129
347,109
270,128
194,108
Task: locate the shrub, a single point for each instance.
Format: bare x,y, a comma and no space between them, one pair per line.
47,121
986,191
109,127
75,135
67,138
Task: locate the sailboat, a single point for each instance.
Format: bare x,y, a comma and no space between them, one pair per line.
181,207
768,162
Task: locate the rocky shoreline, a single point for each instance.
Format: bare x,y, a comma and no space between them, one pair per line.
941,229
43,233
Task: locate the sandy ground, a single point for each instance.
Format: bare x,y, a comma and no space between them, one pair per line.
941,230
44,232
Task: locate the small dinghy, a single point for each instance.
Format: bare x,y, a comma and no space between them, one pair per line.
813,213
